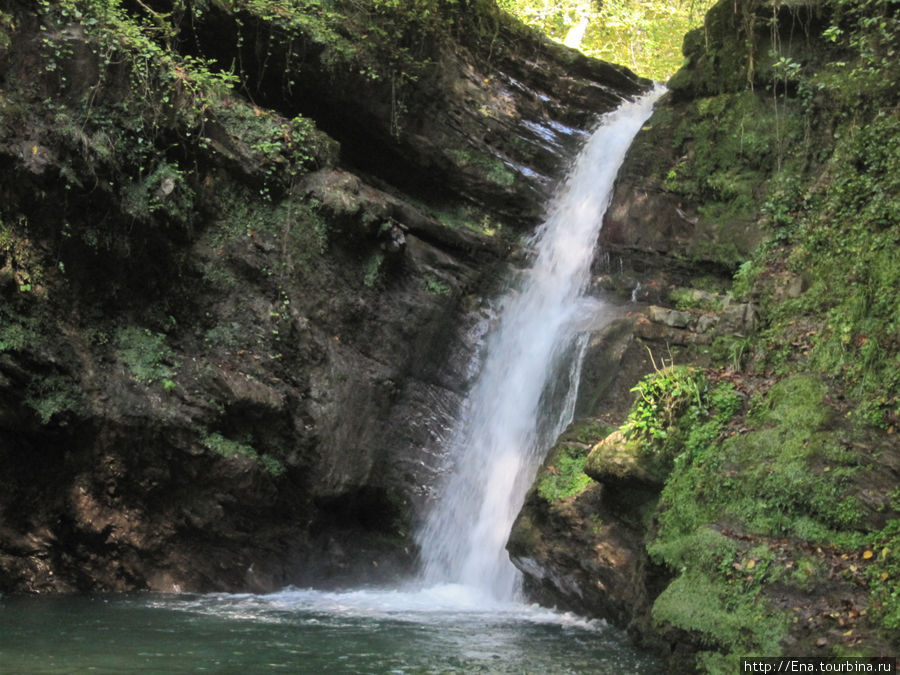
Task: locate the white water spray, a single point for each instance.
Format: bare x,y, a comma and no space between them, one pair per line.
505,428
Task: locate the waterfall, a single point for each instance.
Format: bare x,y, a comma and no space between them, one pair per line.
510,418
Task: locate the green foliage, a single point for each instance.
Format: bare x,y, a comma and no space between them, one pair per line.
229,448
728,615
293,225
434,286
884,575
744,279
645,36
729,351
7,24
164,189
812,142
843,234
157,75
869,32
146,355
52,395
389,43
565,476
372,268
787,476
732,136
489,168
130,126
466,217
282,149
662,397
17,331
691,298
808,137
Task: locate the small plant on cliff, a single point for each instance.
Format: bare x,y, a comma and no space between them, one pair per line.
662,396
434,286
53,395
229,448
146,355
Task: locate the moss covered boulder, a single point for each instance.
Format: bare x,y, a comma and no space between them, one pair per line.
617,459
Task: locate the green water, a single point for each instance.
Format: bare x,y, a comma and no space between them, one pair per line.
440,630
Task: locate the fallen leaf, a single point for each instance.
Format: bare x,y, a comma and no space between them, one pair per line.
867,555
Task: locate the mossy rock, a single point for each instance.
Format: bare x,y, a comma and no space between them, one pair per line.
619,459
562,476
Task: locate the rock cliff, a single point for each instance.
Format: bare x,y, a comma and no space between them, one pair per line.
242,256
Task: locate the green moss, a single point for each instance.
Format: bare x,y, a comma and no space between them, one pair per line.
490,168
435,286
466,217
815,159
788,476
797,402
724,615
564,475
845,235
230,448
372,268
619,460
884,575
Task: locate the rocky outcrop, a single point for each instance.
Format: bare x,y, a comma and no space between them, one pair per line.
756,507
235,322
688,196
583,548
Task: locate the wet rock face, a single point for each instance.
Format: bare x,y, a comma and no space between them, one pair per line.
227,363
585,549
579,555
488,119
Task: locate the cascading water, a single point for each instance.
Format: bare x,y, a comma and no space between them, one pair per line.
503,432
464,616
